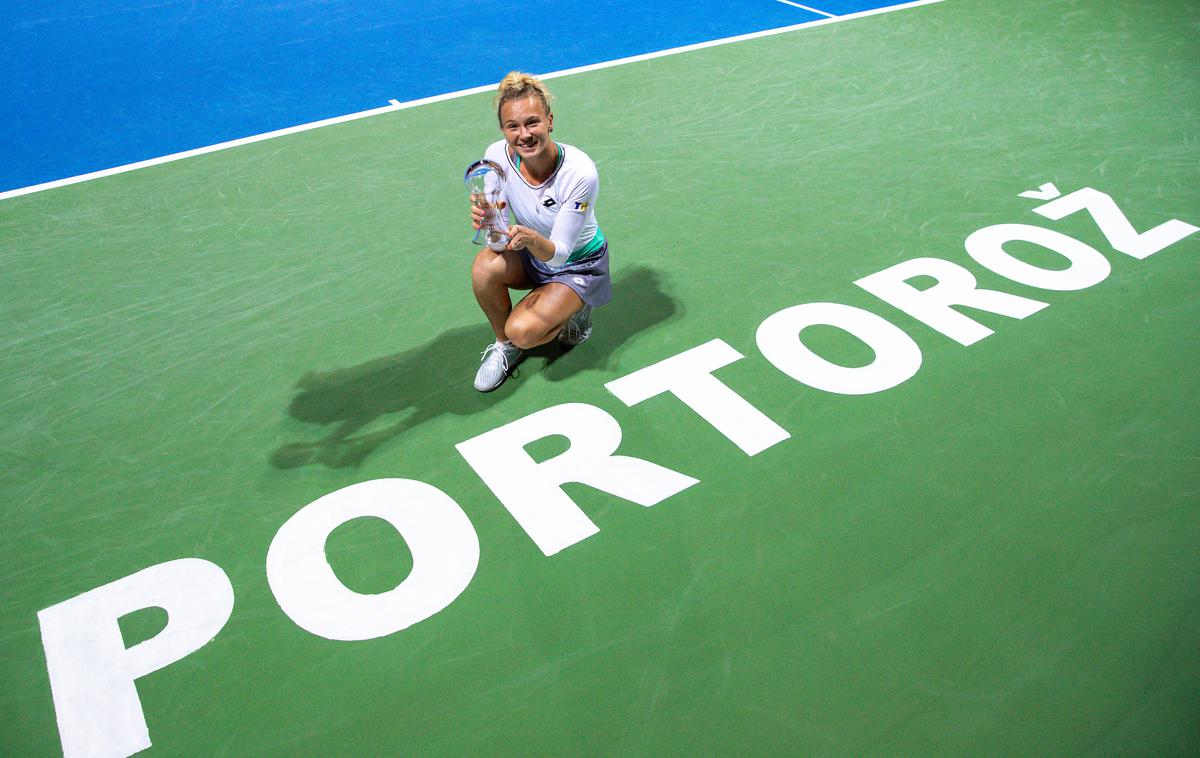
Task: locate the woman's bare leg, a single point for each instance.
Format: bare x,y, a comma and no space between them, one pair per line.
540,316
492,275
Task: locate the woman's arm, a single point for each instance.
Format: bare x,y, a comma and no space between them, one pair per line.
538,246
568,223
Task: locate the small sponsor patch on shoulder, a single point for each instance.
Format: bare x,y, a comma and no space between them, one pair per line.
581,207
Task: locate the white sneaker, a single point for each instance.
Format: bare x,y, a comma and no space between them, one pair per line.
578,328
499,359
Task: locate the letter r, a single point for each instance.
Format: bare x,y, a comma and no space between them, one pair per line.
532,491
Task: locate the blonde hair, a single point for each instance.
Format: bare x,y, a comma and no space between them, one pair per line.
516,85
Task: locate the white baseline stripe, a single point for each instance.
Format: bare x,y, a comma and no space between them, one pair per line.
805,7
397,106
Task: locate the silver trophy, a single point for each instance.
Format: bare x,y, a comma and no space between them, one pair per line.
485,185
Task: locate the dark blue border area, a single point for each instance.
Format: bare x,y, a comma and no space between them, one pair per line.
94,85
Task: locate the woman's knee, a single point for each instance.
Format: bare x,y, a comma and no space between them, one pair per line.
525,332
487,268
496,268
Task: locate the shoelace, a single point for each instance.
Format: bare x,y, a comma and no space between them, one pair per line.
492,348
574,327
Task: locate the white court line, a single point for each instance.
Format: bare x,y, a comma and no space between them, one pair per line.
805,7
396,105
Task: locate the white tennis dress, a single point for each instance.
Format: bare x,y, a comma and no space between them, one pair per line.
562,209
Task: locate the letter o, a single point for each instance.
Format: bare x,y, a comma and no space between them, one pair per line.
444,546
1088,267
897,356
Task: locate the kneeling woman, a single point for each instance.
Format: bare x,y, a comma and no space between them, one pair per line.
555,247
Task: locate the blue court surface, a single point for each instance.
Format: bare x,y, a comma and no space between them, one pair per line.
91,86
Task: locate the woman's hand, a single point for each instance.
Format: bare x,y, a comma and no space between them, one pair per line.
481,214
521,237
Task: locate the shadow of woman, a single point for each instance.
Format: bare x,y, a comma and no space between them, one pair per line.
433,379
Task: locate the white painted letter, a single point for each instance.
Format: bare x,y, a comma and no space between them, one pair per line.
897,357
688,376
532,491
1088,267
445,554
955,286
1113,224
91,671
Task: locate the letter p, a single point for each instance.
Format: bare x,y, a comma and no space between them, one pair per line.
92,673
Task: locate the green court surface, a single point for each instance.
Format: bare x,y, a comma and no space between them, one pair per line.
997,556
